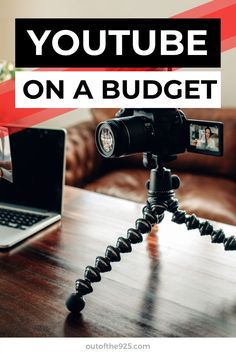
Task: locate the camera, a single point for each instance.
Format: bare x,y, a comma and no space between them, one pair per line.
162,132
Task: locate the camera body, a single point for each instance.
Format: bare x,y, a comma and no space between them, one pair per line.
162,132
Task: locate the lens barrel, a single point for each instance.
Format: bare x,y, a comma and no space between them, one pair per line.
123,136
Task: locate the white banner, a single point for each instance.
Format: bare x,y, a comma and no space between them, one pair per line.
112,89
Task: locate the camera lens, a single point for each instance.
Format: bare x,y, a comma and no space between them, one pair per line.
109,135
120,136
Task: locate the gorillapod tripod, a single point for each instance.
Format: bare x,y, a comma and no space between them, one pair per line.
161,198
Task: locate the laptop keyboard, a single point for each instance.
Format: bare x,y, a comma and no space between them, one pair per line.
19,219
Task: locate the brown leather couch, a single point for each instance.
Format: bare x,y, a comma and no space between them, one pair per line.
208,184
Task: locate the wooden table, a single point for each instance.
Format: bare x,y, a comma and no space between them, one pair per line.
180,286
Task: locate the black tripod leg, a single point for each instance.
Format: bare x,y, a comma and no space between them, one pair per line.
75,302
205,228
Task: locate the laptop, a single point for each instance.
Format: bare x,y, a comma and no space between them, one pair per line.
32,165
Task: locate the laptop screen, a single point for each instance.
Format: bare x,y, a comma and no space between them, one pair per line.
36,168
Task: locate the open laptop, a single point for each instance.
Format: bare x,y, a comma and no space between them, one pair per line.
31,183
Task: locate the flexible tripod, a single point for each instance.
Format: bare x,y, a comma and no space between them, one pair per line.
161,198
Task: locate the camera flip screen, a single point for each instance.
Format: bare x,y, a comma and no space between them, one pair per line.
205,137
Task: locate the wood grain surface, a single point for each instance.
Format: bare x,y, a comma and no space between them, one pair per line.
174,284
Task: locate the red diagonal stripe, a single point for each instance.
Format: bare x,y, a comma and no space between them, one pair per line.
223,9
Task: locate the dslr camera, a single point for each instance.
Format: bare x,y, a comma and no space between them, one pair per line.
162,132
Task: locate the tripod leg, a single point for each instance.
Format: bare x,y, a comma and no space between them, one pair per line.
205,228
75,302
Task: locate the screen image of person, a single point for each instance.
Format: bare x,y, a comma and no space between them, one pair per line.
207,139
5,156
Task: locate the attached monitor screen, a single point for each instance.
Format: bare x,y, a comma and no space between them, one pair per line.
205,137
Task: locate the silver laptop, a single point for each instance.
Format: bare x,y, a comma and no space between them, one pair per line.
32,164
